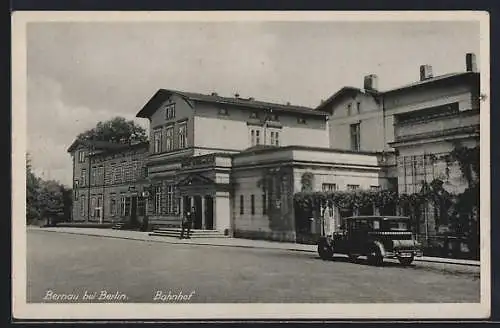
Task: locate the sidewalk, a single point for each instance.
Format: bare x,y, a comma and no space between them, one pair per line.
224,242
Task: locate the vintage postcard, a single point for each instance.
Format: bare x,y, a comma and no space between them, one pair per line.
251,165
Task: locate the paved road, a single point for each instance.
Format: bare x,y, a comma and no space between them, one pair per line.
115,270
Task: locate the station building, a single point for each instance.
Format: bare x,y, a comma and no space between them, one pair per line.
239,161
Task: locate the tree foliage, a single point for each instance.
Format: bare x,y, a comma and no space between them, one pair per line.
117,130
46,199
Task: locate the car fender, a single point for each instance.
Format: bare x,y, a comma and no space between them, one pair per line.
380,247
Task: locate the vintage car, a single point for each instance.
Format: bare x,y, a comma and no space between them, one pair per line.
376,237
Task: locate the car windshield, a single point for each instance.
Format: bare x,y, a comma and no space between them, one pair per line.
394,225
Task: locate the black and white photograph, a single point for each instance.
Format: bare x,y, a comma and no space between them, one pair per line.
250,165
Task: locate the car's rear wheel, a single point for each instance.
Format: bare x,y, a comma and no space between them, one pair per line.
406,260
325,251
374,256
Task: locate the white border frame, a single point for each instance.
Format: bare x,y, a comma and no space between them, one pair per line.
259,311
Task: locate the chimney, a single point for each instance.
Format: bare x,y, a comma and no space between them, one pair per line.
214,94
470,62
288,103
425,72
236,95
251,98
370,82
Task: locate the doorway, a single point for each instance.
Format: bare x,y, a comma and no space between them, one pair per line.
209,212
197,221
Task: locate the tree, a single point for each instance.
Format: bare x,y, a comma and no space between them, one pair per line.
51,201
32,192
117,130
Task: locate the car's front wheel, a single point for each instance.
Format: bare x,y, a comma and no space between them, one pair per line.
406,260
325,251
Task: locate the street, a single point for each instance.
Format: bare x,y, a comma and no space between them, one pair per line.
76,268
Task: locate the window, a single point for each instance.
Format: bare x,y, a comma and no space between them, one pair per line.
81,156
83,205
223,111
252,204
93,176
352,187
100,175
252,137
183,135
83,177
254,115
158,200
157,141
122,204
349,109
374,188
112,206
111,173
92,206
264,204
358,107
328,187
257,137
242,199
355,138
169,138
274,138
170,199
170,111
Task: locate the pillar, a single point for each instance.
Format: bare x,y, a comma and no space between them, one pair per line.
203,210
181,206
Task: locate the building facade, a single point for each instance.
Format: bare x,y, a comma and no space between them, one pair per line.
108,180
422,122
239,161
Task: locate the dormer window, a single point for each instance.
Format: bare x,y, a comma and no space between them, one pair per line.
273,117
254,114
170,111
223,111
301,120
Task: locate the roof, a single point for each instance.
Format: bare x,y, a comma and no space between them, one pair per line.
377,217
438,78
349,90
268,148
103,145
344,91
162,94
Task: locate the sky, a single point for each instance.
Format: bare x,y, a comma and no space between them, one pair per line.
80,73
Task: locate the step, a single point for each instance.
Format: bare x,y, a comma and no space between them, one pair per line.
193,234
192,230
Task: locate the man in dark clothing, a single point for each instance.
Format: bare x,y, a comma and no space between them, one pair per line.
187,222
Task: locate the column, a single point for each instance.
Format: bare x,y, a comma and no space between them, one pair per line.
181,206
203,210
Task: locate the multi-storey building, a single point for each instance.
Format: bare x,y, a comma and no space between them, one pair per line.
108,180
423,122
239,161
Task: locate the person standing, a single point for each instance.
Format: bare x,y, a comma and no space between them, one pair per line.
187,221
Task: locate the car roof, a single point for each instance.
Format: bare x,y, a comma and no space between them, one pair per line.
376,217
